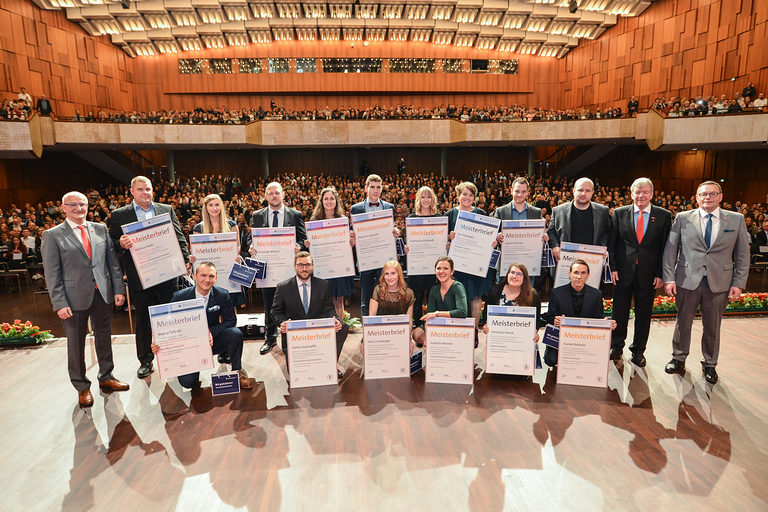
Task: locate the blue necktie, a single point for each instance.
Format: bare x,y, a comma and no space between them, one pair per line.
274,219
708,231
305,298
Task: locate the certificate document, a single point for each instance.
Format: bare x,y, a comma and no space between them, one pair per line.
330,249
426,238
471,248
155,250
522,244
582,358
181,330
275,247
450,350
374,240
221,250
510,346
386,341
594,255
311,352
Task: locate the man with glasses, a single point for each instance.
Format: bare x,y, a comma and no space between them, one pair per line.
705,263
84,280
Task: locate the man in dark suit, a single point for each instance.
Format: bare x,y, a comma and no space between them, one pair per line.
705,263
579,221
372,203
223,335
292,294
275,215
84,280
141,208
636,246
761,240
576,299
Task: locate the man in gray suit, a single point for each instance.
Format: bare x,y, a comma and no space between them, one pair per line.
84,280
705,263
579,221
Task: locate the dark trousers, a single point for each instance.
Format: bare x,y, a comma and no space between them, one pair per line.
341,337
268,296
368,281
230,341
76,328
550,356
712,309
623,293
142,299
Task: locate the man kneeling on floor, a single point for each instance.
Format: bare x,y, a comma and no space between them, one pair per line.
223,335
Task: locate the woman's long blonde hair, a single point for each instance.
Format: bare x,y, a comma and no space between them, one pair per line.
223,218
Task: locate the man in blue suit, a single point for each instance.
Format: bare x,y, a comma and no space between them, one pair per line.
372,203
223,335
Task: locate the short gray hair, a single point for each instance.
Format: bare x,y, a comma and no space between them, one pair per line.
140,178
276,185
76,194
641,182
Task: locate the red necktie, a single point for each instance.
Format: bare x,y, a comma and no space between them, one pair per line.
640,227
86,242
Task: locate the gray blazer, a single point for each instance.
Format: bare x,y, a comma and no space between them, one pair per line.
686,256
71,275
560,226
505,212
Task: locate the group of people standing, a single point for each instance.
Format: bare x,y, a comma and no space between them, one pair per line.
702,258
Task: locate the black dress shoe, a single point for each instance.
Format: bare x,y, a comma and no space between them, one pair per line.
144,370
224,358
616,354
267,346
710,374
675,366
638,360
341,375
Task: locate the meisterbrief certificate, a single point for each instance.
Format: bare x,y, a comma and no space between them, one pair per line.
450,350
275,247
330,249
522,244
583,352
426,238
510,348
374,240
181,330
311,352
386,341
472,246
594,255
221,250
155,251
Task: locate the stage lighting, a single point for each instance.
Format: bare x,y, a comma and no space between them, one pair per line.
572,6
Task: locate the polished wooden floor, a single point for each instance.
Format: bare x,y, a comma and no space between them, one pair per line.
650,441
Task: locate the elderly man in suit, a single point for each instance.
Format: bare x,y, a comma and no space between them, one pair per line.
141,208
579,221
705,263
305,297
638,234
84,280
275,215
223,335
372,203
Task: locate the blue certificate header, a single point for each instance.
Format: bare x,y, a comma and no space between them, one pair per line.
426,221
141,225
512,311
386,320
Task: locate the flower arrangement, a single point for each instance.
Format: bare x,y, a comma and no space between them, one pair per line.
665,305
351,322
23,330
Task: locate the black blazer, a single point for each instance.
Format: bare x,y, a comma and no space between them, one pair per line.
260,219
561,303
287,302
624,249
505,212
220,311
559,229
127,215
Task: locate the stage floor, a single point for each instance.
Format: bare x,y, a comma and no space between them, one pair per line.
649,442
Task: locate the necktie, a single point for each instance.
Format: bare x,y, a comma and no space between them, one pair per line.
640,226
274,219
305,298
708,230
373,204
86,242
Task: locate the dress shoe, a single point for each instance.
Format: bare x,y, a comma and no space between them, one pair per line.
638,360
710,374
224,358
85,398
245,381
675,366
339,374
616,354
113,385
267,346
144,370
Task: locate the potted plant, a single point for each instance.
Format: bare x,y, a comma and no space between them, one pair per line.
22,334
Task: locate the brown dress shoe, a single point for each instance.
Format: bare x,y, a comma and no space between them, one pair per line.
245,381
113,385
85,398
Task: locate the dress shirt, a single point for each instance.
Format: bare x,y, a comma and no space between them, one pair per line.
280,216
205,297
141,213
78,232
369,208
646,218
715,223
519,215
308,282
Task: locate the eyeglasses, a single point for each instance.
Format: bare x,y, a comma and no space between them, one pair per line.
516,273
76,205
708,194
304,265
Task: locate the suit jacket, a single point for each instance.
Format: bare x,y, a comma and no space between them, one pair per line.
127,215
561,303
624,250
360,207
260,219
219,310
560,226
287,304
70,275
505,212
761,238
686,256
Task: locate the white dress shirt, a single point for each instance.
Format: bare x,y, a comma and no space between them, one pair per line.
715,224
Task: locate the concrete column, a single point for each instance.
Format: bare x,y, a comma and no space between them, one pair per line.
171,166
265,162
531,161
443,162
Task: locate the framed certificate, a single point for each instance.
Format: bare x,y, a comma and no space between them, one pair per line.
374,240
311,352
275,246
522,243
510,347
330,249
450,350
155,251
594,255
427,238
472,246
584,346
387,340
221,250
181,330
